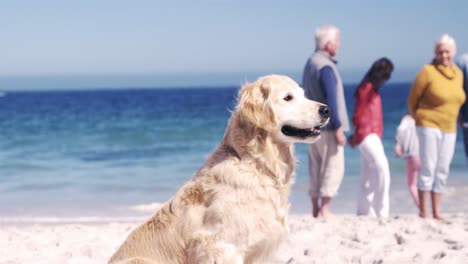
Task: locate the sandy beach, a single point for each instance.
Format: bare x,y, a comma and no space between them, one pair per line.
345,238
342,239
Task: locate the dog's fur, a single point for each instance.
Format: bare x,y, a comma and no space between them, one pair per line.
234,209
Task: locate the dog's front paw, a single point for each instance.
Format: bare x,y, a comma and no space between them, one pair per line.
206,250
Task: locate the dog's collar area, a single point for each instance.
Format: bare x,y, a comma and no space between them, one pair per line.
291,131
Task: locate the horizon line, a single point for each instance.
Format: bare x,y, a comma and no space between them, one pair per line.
154,80
139,88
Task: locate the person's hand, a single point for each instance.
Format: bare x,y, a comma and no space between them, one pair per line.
351,141
398,151
340,137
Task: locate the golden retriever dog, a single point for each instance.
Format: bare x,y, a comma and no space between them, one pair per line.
234,209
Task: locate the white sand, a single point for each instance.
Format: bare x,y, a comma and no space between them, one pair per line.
343,239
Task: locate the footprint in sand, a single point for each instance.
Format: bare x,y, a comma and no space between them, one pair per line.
409,231
453,244
417,257
399,239
439,255
450,241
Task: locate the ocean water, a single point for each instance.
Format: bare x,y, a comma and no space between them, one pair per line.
110,153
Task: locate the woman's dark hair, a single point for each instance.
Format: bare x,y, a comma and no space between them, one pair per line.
379,73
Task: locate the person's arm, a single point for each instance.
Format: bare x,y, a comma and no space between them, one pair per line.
360,116
400,133
328,82
417,90
362,99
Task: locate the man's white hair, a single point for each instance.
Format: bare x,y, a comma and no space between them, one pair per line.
325,34
445,39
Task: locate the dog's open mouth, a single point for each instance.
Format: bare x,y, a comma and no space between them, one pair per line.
291,131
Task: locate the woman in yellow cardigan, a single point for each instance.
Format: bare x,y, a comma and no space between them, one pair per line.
434,102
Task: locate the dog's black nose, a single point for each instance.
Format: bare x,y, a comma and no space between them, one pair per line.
324,112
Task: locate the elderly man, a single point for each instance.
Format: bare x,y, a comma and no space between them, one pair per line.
322,83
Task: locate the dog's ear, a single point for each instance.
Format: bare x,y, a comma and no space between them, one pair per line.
254,105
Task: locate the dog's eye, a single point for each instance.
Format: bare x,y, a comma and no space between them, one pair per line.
288,97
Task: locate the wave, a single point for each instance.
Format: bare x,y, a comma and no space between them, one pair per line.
68,220
8,164
146,208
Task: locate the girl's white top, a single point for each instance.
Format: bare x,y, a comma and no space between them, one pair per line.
406,137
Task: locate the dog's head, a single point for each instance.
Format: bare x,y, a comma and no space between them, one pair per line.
277,104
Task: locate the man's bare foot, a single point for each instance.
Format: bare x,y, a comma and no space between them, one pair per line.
325,213
423,214
315,212
439,217
315,206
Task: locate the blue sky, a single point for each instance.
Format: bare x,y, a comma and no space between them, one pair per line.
91,44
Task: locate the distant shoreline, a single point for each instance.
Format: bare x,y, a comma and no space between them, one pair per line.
145,88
